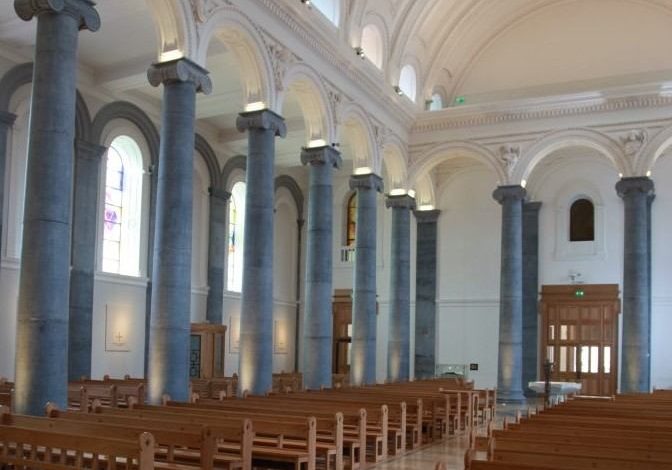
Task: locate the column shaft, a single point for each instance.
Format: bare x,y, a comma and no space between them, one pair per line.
530,293
398,350
256,325
6,123
636,343
318,324
85,221
509,376
425,293
170,321
364,314
42,319
216,253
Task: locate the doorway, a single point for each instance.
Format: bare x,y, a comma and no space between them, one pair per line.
579,335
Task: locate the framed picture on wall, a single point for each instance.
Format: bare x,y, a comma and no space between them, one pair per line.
234,339
280,345
117,328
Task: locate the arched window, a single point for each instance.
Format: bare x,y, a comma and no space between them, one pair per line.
234,278
329,8
408,82
372,43
351,220
437,102
122,208
582,221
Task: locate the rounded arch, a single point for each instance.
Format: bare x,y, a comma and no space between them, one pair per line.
356,128
136,116
395,163
570,138
374,39
447,151
425,193
313,100
243,39
649,153
290,184
22,75
233,165
175,26
210,159
408,81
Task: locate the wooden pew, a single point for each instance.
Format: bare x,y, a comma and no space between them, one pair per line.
31,448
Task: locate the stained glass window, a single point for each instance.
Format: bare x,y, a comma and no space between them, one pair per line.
236,231
122,203
351,222
113,213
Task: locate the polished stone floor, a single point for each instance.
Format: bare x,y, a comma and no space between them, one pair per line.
450,452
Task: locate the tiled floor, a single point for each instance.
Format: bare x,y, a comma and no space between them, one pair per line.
450,452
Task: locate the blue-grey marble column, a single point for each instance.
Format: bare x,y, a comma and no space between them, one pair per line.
317,317
510,370
530,293
364,315
6,122
256,323
170,318
636,343
85,221
219,232
425,293
398,346
42,319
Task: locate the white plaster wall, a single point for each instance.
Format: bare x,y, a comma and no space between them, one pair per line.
199,241
127,295
9,288
467,324
661,321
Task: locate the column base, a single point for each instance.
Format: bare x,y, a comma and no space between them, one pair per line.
514,397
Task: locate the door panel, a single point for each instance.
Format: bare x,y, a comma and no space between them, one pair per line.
579,335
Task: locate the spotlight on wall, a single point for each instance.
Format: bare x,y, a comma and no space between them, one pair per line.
306,2
398,90
360,52
335,145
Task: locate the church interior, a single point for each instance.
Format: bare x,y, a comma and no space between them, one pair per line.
335,234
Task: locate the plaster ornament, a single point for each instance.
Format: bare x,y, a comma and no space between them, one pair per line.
633,141
281,59
202,9
509,154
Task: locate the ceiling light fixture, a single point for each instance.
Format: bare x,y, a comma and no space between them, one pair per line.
398,90
360,52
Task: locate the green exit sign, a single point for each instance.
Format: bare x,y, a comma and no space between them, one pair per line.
579,293
460,100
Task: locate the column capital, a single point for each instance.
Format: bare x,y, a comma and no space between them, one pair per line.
506,193
402,201
7,118
89,151
326,155
368,181
180,70
218,193
427,217
264,119
636,184
82,10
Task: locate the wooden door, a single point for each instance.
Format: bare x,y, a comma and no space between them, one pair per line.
580,335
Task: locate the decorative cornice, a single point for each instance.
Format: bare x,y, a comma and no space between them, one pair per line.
456,118
82,10
180,70
85,150
7,119
368,181
627,187
402,201
220,194
427,217
263,119
369,85
326,155
509,193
